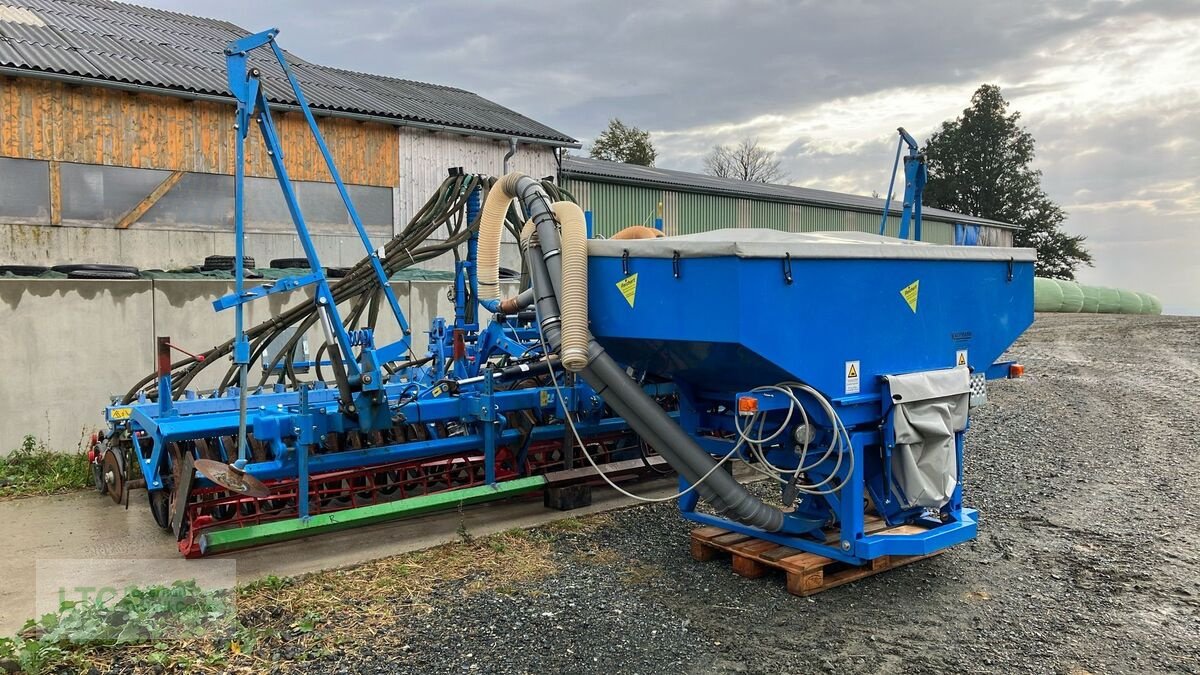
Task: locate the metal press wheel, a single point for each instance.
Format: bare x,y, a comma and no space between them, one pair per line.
112,473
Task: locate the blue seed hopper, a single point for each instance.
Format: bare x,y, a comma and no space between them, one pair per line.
746,307
822,358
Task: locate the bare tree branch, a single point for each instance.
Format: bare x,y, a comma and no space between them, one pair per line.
746,161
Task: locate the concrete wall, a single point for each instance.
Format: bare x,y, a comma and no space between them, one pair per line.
67,346
164,249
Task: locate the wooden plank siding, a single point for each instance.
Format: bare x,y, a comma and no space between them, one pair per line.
47,120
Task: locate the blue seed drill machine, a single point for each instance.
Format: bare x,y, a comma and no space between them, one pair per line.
842,366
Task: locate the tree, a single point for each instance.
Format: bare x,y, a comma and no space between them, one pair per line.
623,143
745,161
979,166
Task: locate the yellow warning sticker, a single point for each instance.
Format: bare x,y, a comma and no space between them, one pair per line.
853,380
960,358
436,391
628,288
122,413
909,293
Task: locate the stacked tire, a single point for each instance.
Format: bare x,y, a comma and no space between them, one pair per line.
224,263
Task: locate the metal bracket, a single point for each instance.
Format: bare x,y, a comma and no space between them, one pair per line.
625,262
281,286
675,264
787,269
1010,269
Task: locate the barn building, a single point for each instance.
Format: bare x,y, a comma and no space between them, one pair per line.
620,195
116,142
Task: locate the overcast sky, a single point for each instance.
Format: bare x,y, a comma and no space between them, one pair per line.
1110,89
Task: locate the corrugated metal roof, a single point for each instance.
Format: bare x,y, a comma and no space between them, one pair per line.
142,46
586,168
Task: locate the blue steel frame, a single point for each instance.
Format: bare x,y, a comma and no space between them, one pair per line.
872,438
291,421
916,175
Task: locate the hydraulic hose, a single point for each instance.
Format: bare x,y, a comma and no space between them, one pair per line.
617,389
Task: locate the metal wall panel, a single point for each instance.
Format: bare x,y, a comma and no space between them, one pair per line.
671,213
745,217
616,206
701,213
769,214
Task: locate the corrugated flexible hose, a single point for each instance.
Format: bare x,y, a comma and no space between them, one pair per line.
572,296
643,415
491,225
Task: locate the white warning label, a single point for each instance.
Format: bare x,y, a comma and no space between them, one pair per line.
853,368
960,358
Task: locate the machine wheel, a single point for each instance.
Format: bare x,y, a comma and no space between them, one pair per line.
160,508
112,472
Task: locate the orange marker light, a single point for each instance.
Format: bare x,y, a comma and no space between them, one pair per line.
1015,370
747,405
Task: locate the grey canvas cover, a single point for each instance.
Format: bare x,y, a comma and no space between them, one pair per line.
930,407
766,243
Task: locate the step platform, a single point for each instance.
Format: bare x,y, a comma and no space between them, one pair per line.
807,573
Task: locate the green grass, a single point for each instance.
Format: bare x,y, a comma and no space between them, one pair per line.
184,628
33,470
144,619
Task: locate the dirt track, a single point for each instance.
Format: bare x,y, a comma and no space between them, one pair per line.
1087,477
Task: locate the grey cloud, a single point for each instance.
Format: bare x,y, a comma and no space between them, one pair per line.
1128,175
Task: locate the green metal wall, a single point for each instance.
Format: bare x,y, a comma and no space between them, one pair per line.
700,213
615,207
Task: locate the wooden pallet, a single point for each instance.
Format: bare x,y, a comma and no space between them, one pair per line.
807,573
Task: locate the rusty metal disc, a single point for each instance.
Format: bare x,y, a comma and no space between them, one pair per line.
112,469
232,479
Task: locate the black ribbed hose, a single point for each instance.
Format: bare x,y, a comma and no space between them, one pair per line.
620,392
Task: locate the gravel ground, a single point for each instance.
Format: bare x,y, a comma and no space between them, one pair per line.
1087,479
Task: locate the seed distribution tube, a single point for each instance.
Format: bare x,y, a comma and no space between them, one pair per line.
644,416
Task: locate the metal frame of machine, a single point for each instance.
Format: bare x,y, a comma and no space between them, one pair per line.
450,415
466,423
